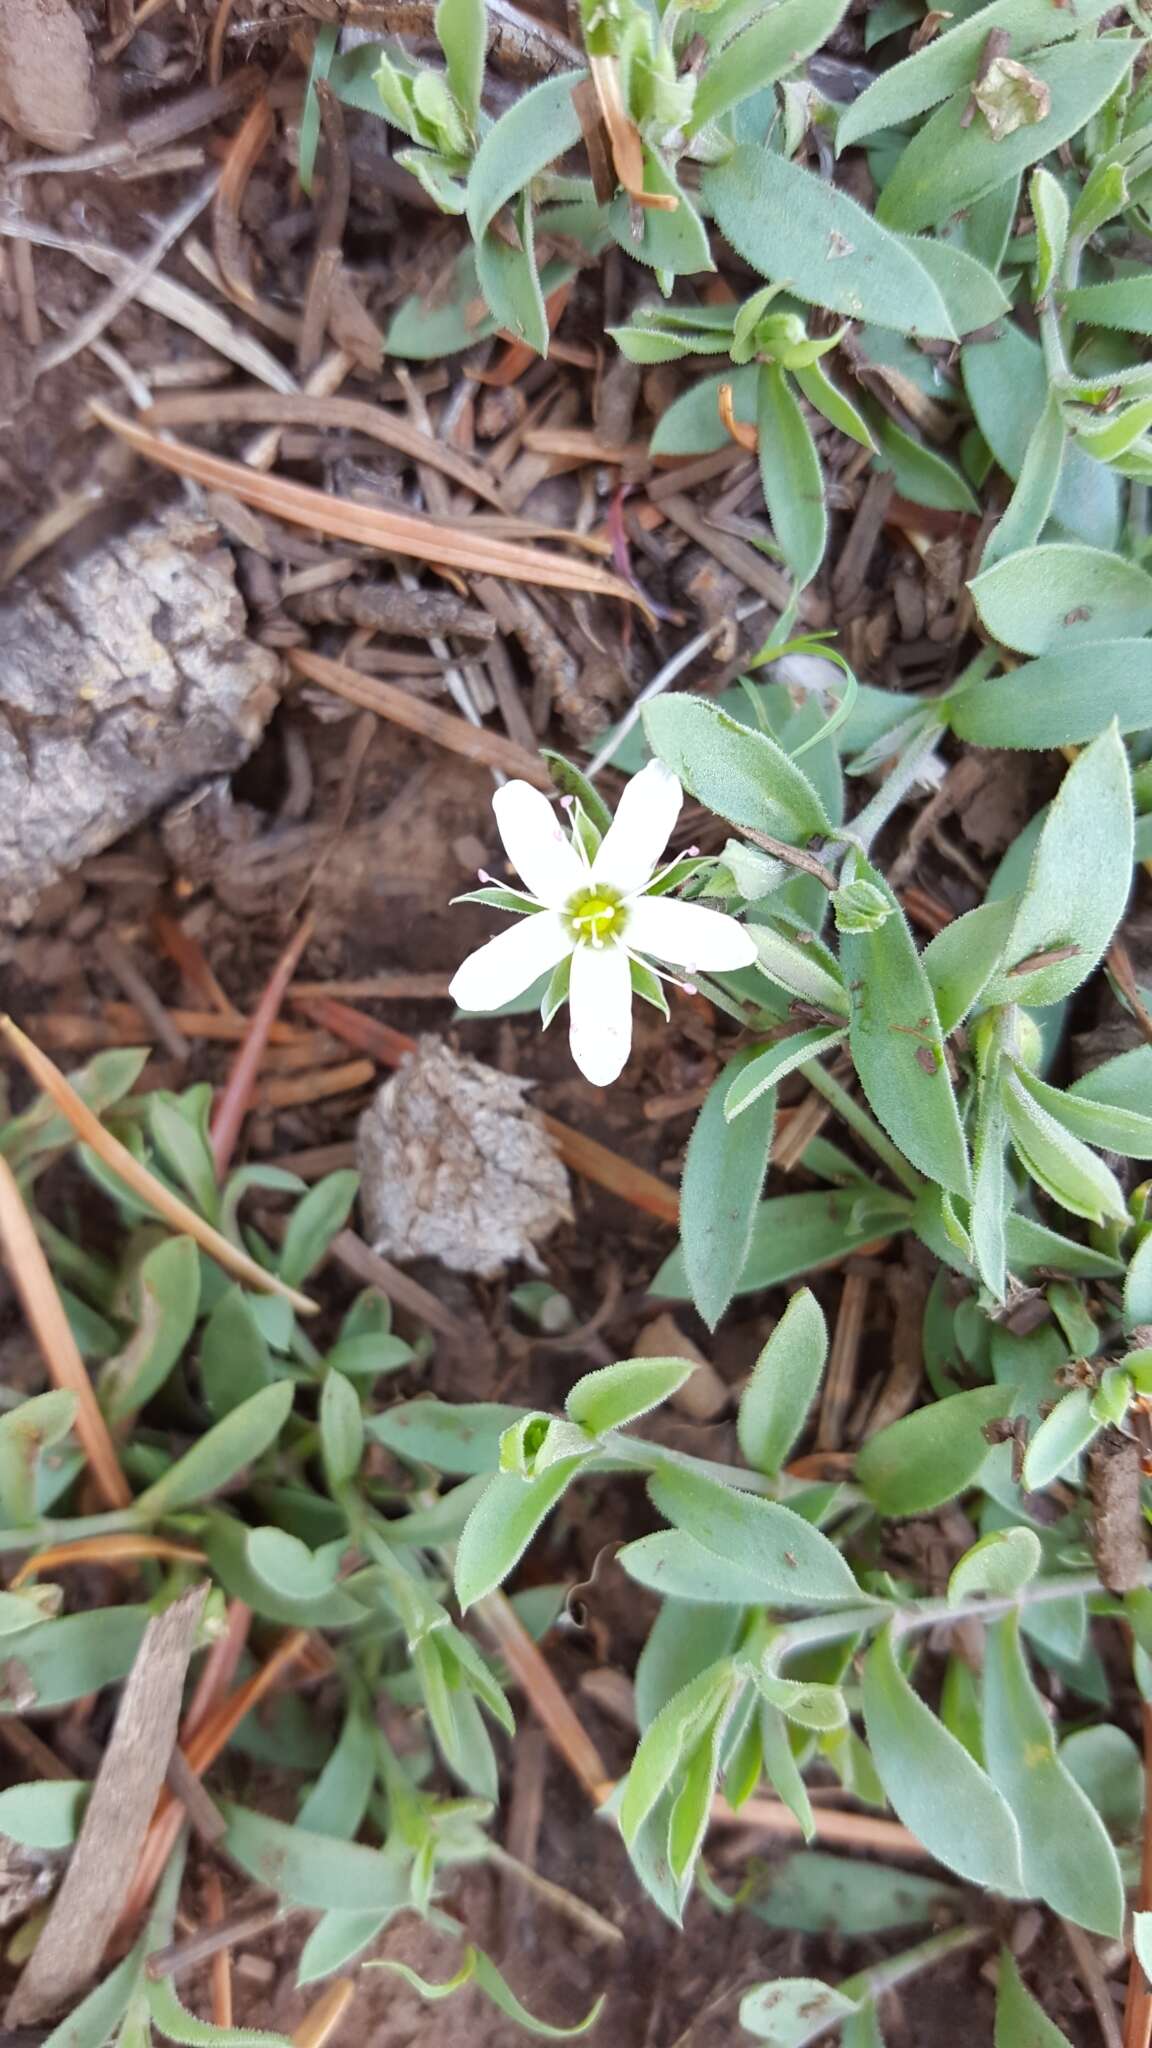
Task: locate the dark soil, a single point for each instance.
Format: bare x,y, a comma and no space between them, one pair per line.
375,831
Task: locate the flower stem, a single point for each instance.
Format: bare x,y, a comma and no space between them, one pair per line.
894,788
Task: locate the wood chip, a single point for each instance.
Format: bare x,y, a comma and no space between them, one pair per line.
103,1863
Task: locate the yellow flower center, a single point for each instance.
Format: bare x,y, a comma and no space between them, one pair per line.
596,915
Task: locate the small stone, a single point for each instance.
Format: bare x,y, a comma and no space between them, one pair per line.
46,74
704,1395
455,1166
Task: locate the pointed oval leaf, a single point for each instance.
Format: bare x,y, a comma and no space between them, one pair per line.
776,41
221,1453
937,1789
1078,883
724,1169
1001,1563
311,1869
502,1525
790,475
1059,700
929,1457
1020,2021
792,1560
739,773
768,1068
1062,1435
1062,594
947,63
898,1048
948,165
537,128
673,1564
1068,1859
783,1385
790,2011
617,1394
789,224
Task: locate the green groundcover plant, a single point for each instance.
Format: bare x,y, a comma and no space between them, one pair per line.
1003,274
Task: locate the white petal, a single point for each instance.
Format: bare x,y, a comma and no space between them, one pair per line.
600,999
640,830
688,935
537,844
508,965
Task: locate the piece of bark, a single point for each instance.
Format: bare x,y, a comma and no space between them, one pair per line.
46,73
103,1863
127,681
1118,1544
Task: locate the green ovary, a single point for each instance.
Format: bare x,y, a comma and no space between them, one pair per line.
595,915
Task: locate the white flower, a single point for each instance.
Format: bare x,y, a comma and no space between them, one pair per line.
600,914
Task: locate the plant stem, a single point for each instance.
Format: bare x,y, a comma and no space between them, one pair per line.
882,1977
924,1614
41,1535
894,788
865,1126
637,1454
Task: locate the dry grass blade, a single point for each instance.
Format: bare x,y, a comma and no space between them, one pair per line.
90,1131
546,1696
31,1276
321,2022
69,1949
854,1830
290,409
399,533
126,1549
474,742
236,1097
164,296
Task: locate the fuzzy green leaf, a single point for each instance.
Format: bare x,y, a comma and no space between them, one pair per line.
775,1403
936,1788
788,223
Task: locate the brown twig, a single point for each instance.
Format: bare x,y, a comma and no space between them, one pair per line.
853,1830
189,956
31,1276
126,1167
245,150
244,1924
843,1355
295,1091
220,21
328,252
473,742
232,1107
119,962
549,1702
375,526
1123,973
321,2021
1095,1983
116,1819
792,856
221,1960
